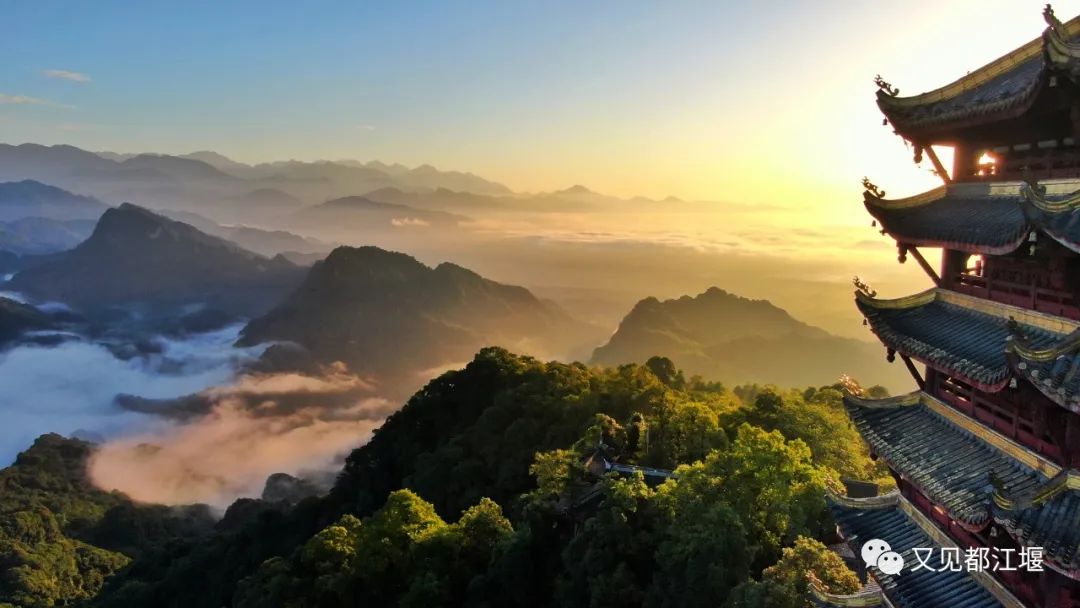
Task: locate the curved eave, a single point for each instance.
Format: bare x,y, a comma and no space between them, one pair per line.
1051,524
980,218
927,127
894,520
1054,370
960,335
933,353
1054,208
951,463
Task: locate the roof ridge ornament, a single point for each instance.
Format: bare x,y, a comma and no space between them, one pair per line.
885,87
1055,24
1058,44
872,188
1009,500
863,288
1028,176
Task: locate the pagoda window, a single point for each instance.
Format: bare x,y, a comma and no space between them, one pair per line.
987,165
1044,158
1034,277
1024,416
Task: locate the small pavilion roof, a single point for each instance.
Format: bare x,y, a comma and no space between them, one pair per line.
894,520
1004,88
869,596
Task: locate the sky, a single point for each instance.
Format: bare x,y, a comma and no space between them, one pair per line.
767,102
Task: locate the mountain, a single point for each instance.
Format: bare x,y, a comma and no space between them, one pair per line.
388,315
443,199
322,179
426,177
724,337
473,494
38,235
29,198
63,536
268,199
135,256
45,163
258,240
176,167
218,186
221,162
17,318
273,242
358,212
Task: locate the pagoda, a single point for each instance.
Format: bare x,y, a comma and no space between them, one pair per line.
986,453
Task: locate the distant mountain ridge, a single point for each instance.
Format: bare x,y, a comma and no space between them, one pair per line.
137,256
30,198
39,235
362,213
203,180
722,336
388,315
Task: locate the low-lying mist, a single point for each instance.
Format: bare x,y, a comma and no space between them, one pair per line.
72,386
223,443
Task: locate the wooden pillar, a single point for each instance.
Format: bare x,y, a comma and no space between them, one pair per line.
963,163
1038,416
952,264
1071,453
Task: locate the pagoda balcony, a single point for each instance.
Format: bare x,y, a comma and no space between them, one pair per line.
1055,159
1022,415
1017,281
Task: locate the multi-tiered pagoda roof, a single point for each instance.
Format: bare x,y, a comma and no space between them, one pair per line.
985,453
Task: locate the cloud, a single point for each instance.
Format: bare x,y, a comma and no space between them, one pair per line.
25,100
22,100
366,127
74,385
228,439
67,75
408,221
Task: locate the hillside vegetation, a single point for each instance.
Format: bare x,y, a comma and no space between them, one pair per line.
463,498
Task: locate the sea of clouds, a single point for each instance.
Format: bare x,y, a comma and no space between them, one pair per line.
183,423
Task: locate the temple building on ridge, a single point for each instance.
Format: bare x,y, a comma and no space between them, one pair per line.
986,453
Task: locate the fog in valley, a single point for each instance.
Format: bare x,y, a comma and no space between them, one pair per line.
196,418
